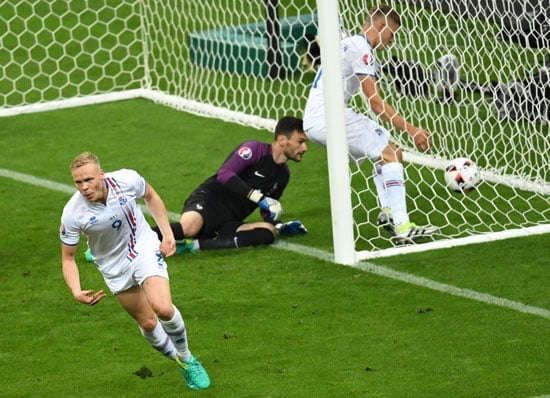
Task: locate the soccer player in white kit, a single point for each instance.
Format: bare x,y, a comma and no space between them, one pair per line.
128,255
366,138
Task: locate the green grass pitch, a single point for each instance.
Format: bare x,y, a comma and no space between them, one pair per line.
265,322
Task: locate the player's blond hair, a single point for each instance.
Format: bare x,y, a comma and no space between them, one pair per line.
84,159
384,12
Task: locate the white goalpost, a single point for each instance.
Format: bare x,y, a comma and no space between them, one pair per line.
337,149
253,62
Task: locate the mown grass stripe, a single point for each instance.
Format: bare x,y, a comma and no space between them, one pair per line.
327,256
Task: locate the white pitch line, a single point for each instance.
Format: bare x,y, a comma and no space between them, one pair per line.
421,281
327,256
40,182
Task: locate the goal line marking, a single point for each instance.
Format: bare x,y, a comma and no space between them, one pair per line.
327,256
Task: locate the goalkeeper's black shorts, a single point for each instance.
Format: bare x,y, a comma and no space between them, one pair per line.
217,218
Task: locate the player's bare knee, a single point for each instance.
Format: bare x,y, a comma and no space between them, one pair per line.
164,311
392,154
148,324
191,222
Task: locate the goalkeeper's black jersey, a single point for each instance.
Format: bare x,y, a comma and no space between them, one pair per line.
250,166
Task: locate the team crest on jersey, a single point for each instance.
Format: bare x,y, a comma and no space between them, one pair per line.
367,59
93,220
245,152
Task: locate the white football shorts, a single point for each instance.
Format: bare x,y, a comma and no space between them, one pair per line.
147,263
366,138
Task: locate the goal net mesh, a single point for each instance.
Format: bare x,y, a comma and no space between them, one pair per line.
251,63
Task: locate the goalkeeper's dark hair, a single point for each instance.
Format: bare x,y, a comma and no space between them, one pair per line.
288,125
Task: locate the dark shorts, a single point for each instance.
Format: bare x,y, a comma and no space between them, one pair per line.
216,220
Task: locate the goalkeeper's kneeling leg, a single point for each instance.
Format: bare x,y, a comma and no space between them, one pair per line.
251,237
254,237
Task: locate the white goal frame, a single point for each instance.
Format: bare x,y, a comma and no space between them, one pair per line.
339,170
342,218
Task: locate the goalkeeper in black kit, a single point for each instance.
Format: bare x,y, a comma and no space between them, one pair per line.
254,175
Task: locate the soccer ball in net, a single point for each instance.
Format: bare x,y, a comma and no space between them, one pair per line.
462,175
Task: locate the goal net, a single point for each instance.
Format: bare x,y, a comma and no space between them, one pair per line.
253,62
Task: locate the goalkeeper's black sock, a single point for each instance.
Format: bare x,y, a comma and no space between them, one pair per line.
176,229
253,237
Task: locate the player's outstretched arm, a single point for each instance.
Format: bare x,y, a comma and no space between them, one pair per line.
420,137
72,278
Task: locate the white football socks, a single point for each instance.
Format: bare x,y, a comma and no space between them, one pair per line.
380,187
394,184
160,341
175,329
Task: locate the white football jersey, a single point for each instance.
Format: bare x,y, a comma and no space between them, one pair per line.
357,59
116,231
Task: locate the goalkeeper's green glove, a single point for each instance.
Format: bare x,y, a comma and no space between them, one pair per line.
291,228
271,205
